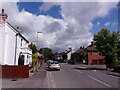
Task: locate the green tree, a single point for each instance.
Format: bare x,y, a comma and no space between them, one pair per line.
83,55
107,43
64,56
33,48
119,44
47,52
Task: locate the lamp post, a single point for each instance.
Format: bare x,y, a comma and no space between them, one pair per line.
37,50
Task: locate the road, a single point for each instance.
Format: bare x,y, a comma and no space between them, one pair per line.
70,76
76,76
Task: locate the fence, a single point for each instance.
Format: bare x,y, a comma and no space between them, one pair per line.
17,71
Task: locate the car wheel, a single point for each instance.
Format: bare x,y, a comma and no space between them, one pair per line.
47,69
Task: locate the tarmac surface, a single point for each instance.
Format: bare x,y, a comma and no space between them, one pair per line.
70,76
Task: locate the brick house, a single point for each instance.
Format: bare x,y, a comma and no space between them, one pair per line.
93,56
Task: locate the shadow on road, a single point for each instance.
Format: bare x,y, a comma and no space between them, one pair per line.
53,70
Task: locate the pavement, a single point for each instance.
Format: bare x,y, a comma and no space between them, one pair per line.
36,80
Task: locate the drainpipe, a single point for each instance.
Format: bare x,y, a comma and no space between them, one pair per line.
14,78
15,48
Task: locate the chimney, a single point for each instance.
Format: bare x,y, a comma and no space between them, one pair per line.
92,43
18,29
80,47
2,11
3,17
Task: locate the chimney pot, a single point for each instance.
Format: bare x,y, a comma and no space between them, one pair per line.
17,28
80,47
2,11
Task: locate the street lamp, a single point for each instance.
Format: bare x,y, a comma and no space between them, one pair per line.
37,49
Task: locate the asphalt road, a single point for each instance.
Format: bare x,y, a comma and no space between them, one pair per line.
77,76
70,76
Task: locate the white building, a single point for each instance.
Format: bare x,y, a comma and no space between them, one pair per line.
13,46
69,53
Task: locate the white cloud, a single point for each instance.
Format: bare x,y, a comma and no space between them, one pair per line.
107,24
98,23
59,34
46,6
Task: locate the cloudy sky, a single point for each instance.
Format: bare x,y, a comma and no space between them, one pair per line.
63,24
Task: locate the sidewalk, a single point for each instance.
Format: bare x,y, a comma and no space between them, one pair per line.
37,80
100,68
111,73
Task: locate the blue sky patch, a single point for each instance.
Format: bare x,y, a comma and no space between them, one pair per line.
33,7
111,21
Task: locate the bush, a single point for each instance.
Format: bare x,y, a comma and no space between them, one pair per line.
116,63
40,57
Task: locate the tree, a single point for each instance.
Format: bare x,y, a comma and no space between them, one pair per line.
64,56
107,43
47,52
83,55
33,48
119,44
34,58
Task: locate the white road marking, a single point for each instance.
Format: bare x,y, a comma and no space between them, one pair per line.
53,83
99,81
48,79
82,67
78,71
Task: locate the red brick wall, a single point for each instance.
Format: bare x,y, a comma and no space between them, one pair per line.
17,71
94,56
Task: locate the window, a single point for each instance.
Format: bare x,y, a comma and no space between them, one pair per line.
21,42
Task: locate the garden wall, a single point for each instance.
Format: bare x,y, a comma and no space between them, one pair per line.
17,71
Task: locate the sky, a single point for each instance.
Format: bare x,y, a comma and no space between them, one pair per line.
62,24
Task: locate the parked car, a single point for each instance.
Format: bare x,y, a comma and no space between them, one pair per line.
49,61
54,65
62,61
71,62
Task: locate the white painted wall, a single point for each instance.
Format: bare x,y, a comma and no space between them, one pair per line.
2,43
7,47
28,55
69,55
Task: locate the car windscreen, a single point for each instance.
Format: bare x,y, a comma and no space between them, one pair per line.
54,63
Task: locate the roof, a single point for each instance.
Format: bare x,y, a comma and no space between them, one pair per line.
91,48
78,51
68,51
58,55
5,14
23,37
